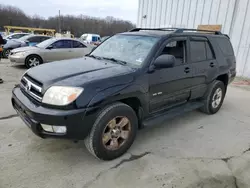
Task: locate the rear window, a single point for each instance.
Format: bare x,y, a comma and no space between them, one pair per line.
225,46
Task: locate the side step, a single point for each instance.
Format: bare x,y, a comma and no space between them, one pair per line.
159,118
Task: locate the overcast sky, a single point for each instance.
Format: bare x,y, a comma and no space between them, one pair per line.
124,9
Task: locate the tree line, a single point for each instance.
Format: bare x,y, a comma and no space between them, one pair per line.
77,25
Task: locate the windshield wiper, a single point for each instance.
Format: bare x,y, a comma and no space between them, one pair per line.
116,60
93,56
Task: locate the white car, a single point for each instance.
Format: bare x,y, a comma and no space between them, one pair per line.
90,38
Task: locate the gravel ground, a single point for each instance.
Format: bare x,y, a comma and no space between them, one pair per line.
194,150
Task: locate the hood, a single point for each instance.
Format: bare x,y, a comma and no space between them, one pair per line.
78,72
22,49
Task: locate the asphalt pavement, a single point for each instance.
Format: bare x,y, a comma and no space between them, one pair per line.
194,150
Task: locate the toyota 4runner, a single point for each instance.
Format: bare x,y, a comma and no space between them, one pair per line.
132,80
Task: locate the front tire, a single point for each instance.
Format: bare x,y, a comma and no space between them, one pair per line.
113,132
32,61
6,53
214,98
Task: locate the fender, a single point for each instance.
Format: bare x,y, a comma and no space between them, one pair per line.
120,92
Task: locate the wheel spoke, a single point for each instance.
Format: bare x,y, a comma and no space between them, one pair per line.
214,104
124,134
106,137
31,62
124,121
114,143
112,124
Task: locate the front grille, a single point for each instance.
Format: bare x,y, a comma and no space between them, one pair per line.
31,87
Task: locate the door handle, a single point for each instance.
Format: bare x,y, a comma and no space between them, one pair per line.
212,64
187,70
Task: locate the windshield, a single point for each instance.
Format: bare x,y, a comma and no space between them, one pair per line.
127,48
24,38
45,43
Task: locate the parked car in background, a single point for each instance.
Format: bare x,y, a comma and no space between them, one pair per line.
27,40
53,49
15,36
91,38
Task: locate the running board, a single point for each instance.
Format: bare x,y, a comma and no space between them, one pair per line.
159,118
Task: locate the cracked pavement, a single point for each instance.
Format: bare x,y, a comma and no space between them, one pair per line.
194,150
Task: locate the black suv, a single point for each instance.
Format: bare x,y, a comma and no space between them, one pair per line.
134,79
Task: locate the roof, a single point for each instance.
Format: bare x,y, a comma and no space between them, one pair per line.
160,32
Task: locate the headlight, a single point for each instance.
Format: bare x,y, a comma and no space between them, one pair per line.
61,96
20,53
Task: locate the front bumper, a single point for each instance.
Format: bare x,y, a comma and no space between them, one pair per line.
17,59
78,121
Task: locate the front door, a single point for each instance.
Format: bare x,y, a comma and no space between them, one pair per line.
169,87
61,49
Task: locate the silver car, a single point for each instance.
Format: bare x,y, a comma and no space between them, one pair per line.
50,50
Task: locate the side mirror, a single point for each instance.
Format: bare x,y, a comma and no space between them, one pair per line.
49,47
164,61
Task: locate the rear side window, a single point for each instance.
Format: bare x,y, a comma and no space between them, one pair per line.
77,44
198,51
44,38
225,46
94,38
210,54
34,39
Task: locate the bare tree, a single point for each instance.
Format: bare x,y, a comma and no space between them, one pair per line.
77,25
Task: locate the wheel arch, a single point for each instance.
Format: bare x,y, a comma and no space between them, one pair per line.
34,55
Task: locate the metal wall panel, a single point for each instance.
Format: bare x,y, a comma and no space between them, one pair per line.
232,14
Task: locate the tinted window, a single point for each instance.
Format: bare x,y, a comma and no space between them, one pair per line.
17,36
198,51
225,46
44,38
77,44
94,38
209,51
62,44
34,39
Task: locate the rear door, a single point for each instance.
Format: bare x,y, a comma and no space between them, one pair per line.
204,65
79,49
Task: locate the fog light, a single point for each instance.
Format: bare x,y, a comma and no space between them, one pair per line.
59,129
47,128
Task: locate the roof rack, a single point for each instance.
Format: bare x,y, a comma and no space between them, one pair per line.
175,30
182,30
153,29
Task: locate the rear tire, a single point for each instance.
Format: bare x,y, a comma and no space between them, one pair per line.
113,132
214,98
33,61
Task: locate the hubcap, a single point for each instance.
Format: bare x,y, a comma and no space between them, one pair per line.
116,133
34,62
217,97
7,53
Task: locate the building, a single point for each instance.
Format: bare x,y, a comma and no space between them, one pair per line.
233,15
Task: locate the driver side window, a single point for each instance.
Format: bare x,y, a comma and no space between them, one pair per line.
62,44
177,48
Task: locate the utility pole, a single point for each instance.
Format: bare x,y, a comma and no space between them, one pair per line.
59,22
